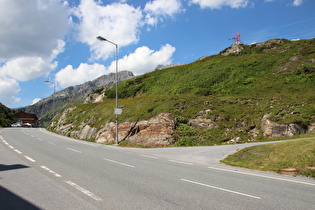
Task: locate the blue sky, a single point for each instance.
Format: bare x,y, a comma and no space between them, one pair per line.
56,40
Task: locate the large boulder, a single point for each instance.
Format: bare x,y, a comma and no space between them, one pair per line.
157,131
274,130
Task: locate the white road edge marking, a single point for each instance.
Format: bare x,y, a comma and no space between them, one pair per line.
30,159
74,150
181,162
50,171
86,192
124,164
264,176
219,188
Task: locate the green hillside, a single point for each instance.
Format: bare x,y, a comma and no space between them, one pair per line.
5,116
276,77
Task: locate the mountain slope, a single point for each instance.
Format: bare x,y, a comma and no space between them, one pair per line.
232,95
277,66
6,115
71,95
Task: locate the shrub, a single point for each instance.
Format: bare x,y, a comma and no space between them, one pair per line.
185,141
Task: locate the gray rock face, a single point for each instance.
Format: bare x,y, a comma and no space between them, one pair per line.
275,130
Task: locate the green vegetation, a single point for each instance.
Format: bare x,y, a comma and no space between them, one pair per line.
274,157
6,115
274,78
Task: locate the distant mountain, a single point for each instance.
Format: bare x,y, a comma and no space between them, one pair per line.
47,107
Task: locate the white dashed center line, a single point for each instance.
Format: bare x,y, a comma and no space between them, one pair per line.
219,188
74,150
30,159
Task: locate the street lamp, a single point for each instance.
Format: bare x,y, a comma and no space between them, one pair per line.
54,83
117,109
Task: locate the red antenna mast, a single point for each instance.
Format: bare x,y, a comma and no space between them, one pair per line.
237,38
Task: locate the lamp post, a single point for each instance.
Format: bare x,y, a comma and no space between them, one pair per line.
117,111
54,83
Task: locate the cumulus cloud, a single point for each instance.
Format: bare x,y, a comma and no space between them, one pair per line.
117,22
145,60
141,61
31,38
30,28
85,72
217,4
157,9
9,88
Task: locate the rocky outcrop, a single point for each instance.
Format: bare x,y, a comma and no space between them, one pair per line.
235,48
274,130
156,131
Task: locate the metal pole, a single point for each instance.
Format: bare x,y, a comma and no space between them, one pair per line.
116,93
116,79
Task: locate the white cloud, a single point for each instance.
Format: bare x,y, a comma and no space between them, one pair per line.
117,22
25,68
160,8
9,88
30,28
145,60
85,72
217,4
297,2
141,61
36,100
31,38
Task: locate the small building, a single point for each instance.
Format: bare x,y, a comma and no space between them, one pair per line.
26,119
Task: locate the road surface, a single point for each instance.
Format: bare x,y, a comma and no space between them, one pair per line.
43,170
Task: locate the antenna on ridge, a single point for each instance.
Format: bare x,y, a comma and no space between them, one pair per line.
237,38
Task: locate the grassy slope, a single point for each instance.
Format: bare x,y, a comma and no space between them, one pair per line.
274,157
239,89
6,115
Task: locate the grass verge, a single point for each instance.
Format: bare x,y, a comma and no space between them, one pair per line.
298,154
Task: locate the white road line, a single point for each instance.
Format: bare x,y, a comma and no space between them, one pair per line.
264,176
124,164
39,139
219,188
74,150
10,146
51,171
149,156
86,192
30,159
52,143
18,151
181,162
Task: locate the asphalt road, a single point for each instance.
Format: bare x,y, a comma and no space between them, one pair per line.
42,170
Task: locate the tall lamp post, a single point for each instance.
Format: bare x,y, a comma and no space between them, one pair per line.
54,83
117,109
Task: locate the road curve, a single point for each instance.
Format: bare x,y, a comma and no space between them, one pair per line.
43,170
